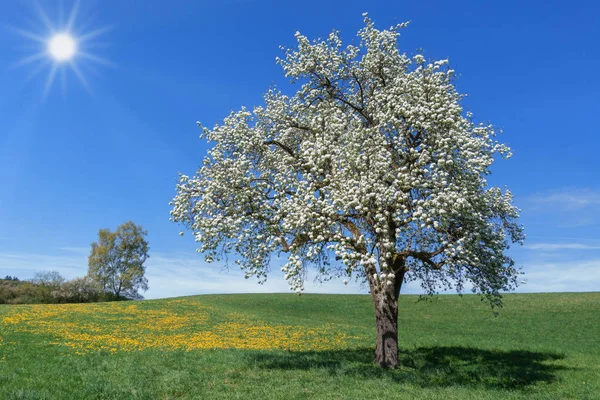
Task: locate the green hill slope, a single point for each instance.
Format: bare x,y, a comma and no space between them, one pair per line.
278,346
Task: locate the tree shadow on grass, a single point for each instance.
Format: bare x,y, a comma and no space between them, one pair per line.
426,366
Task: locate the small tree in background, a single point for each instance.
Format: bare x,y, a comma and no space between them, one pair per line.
371,161
116,261
50,279
48,285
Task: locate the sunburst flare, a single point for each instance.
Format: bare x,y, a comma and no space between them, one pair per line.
62,47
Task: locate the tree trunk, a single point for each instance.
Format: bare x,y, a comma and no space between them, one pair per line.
385,299
386,320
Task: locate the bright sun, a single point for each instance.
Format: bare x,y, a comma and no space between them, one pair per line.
62,47
66,47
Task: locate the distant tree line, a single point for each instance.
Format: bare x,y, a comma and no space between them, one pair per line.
50,287
115,272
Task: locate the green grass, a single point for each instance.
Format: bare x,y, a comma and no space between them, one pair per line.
541,346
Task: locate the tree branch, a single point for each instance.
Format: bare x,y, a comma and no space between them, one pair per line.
362,96
426,257
287,149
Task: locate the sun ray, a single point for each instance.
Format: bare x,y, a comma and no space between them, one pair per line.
35,72
28,35
96,59
97,45
79,75
61,13
63,81
45,20
72,16
90,35
50,79
31,59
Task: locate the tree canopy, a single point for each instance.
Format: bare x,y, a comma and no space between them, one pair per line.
372,163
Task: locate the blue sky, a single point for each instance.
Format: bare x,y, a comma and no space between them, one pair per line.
77,157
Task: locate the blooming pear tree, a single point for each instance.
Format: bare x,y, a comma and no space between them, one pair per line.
371,169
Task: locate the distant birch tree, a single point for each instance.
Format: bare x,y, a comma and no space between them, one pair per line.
372,162
116,261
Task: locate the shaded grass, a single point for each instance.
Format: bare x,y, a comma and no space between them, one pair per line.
428,366
542,346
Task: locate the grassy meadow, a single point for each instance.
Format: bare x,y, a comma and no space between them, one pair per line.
276,346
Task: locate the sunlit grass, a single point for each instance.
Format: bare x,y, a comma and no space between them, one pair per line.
315,346
184,324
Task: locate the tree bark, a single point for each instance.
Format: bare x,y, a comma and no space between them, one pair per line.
385,299
386,320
